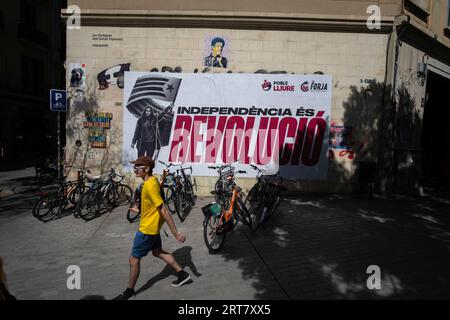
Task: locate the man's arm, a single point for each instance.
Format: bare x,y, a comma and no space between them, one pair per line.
168,218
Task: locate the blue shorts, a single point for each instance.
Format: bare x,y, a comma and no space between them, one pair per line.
144,243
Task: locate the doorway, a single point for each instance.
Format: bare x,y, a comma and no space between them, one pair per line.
436,132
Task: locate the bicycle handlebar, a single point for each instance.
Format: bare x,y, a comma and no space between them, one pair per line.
256,168
165,164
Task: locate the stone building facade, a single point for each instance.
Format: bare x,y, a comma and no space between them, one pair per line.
378,88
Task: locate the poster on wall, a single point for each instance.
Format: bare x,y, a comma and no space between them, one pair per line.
215,53
77,75
274,121
340,137
97,123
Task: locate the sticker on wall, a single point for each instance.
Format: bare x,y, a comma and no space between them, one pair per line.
112,76
215,53
340,137
97,123
77,74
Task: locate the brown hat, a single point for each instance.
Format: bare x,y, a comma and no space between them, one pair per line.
144,161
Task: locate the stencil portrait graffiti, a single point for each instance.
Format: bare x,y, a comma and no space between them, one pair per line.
77,74
214,52
112,76
154,120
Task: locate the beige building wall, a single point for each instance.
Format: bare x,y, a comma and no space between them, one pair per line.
321,7
356,62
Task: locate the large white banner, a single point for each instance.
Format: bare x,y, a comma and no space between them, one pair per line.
274,121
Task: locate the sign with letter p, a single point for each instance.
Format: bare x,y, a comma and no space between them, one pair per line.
58,100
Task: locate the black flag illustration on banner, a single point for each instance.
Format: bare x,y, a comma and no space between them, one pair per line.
150,88
154,124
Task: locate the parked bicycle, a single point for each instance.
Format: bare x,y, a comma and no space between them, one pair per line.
105,193
264,197
178,190
52,203
222,187
221,219
46,170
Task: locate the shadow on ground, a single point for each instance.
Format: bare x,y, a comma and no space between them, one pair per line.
184,258
319,247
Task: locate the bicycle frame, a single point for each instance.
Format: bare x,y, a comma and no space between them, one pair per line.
235,210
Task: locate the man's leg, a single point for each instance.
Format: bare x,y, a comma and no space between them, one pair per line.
167,258
135,268
182,275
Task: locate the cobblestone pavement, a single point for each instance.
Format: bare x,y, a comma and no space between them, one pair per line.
315,247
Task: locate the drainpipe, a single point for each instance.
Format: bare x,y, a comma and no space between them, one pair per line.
386,179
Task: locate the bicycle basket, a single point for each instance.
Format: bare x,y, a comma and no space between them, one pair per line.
226,172
212,208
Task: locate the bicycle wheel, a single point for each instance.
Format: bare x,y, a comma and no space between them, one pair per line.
170,195
254,204
214,242
131,215
89,205
76,194
181,205
274,202
46,208
121,195
190,191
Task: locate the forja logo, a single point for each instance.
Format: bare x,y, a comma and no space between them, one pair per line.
266,85
304,86
314,86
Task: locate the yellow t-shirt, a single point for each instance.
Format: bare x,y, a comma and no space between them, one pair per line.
151,220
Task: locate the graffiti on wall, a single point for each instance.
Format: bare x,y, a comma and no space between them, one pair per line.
77,74
215,52
179,69
112,76
340,137
342,141
97,123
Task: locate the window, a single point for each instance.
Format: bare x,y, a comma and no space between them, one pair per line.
448,14
28,14
419,8
422,3
2,23
32,76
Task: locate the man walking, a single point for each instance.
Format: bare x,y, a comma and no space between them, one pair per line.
153,215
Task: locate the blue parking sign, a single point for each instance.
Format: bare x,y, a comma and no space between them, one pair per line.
58,100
